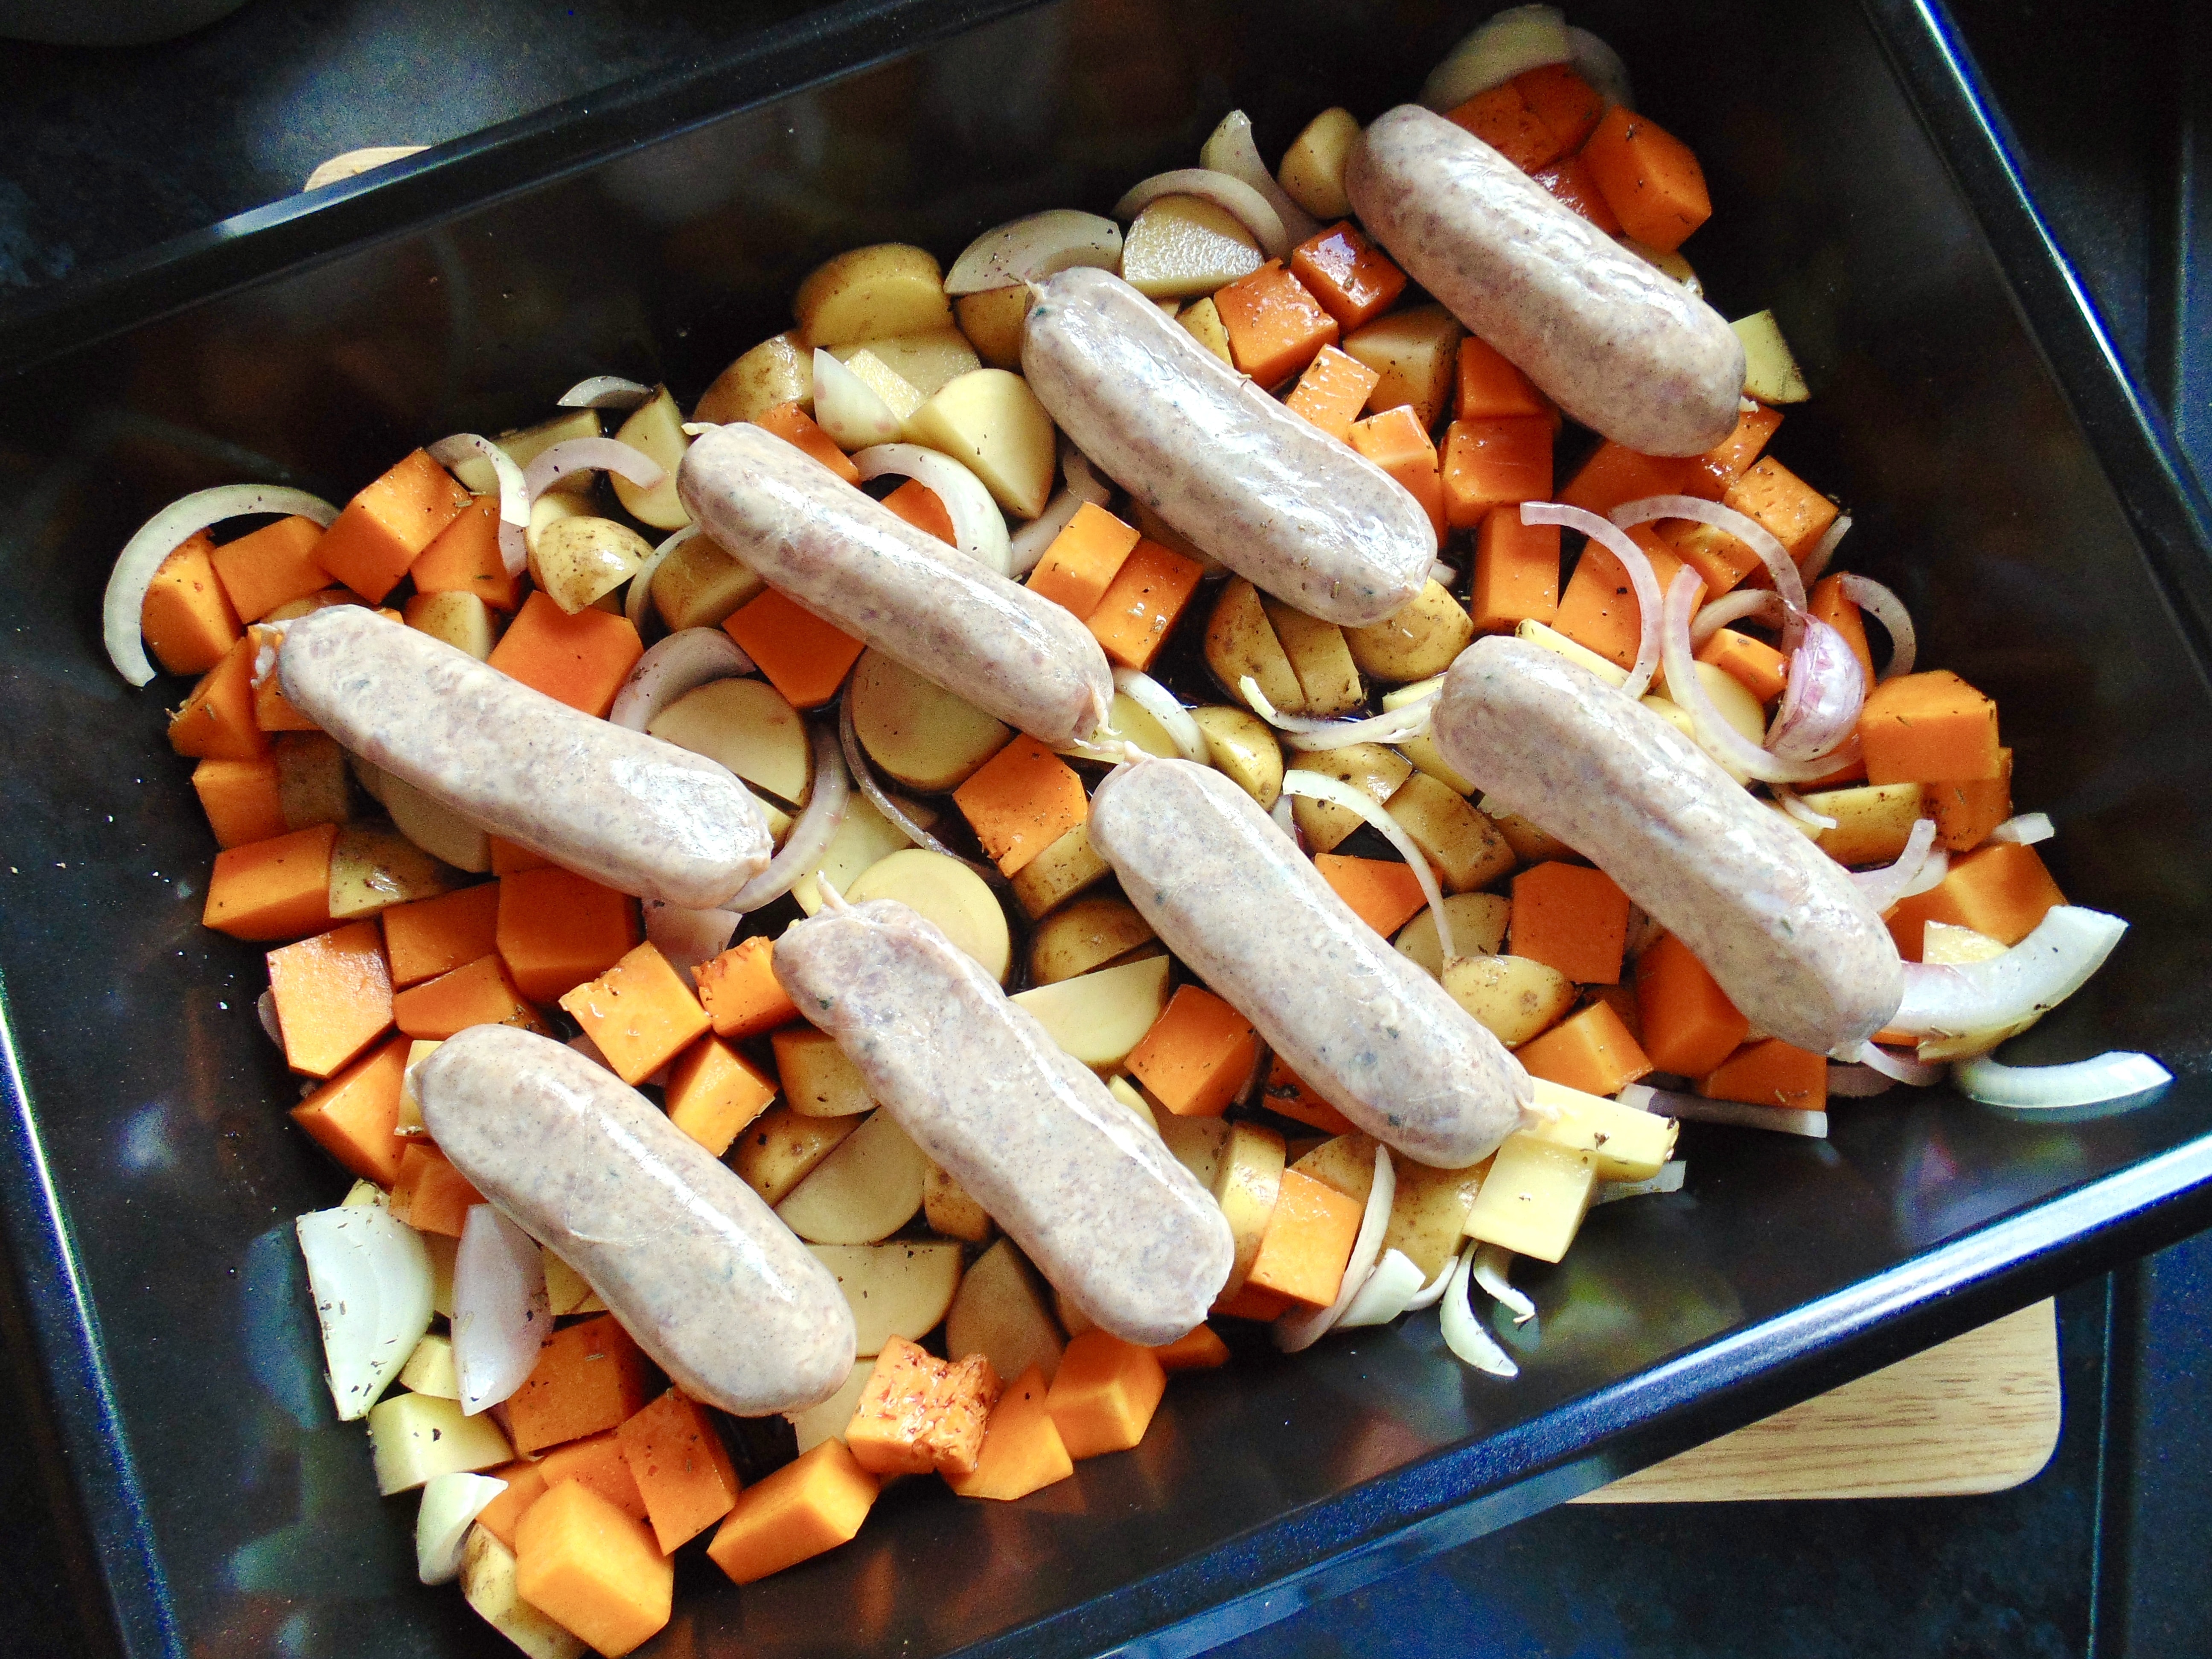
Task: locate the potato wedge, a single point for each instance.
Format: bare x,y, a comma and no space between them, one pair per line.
900,395
1478,922
927,361
992,322
554,507
1427,1214
900,1288
864,838
432,825
946,1206
1367,767
654,427
1416,351
1198,1144
1099,1016
373,867
1241,640
1128,722
816,1079
1181,246
1062,870
1464,846
1627,1145
889,287
526,444
779,370
1000,1312
990,421
1421,639
1313,167
780,1148
746,725
950,894
1328,677
461,620
698,585
1873,821
1245,1184
1769,367
581,559
1202,318
1529,844
1241,745
829,1420
311,779
921,735
1084,935
487,1586
1513,998
866,1190
1129,1094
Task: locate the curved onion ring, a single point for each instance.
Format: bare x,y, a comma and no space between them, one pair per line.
1695,1109
1302,1328
684,661
604,392
1230,148
1309,733
1027,544
2068,945
640,593
1762,602
1433,1291
863,778
2025,829
1795,805
1316,787
1821,696
1816,560
1389,1290
122,607
1232,196
1787,581
1463,1333
1671,1174
977,525
688,937
451,1503
1856,1082
1884,887
514,492
264,1009
1285,821
1155,700
1641,577
1493,1264
1495,51
1082,479
1889,610
2112,1076
501,1315
556,461
802,849
1720,739
1898,1068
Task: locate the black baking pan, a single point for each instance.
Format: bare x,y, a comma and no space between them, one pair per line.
2006,477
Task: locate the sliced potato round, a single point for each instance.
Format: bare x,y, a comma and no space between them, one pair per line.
1240,640
950,894
865,836
461,620
921,734
1478,924
1371,767
1182,246
1513,998
867,1187
901,1289
1086,935
780,1148
1420,639
1245,1184
1100,1016
779,370
580,559
992,321
889,288
746,725
1239,743
1313,167
1000,1313
655,428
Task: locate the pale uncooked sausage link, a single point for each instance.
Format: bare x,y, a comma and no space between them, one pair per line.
1301,515
1622,348
1093,1197
638,815
1777,921
853,562
704,1275
1363,1024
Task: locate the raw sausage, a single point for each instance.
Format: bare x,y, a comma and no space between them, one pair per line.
638,815
1302,516
853,562
1775,920
1096,1199
1620,346
714,1287
1365,1026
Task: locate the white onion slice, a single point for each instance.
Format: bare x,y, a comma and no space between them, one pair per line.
1511,41
501,1315
264,1009
1695,1109
604,392
514,492
1300,1329
1310,733
123,605
1493,1267
1317,786
802,849
1789,582
1286,821
1817,557
2024,830
1641,577
1155,700
556,461
1670,1179
1722,741
1232,196
1230,148
1602,66
640,593
2113,1075
1898,1068
684,661
1794,804
1889,610
1029,250
1028,544
852,412
1081,477
1389,1290
688,937
1734,606
1433,1291
864,779
1464,1334
977,525
370,1274
1856,1082
451,1503
1884,887
1821,696
2068,945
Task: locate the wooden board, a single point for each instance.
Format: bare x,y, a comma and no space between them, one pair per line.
1978,1414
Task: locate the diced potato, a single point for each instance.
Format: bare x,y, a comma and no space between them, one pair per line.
1416,351
1369,768
1478,925
1181,246
946,1206
1419,640
1129,1094
865,293
416,1437
581,559
1313,167
1084,935
894,1290
429,1370
927,361
1580,655
1769,367
747,726
867,1187
1239,743
780,1148
567,1291
311,779
1241,640
1328,677
1062,870
1529,844
1534,1199
864,838
698,585
1128,720
1464,846
1734,702
1203,320
1427,757
1626,1145
1428,1212
461,620
1513,998
816,1079
1001,1314
830,1418
525,444
1198,1144
992,321
1245,1183
431,825
553,508
899,394
654,427
487,1586
1099,1016
779,370
373,866
1873,821
990,421
1670,263
921,734
948,893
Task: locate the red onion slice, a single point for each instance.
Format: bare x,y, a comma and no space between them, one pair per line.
2068,945
1822,697
1641,576
1232,196
1762,602
2024,830
1313,732
501,1315
688,937
1463,1333
1889,610
1720,739
809,837
1900,1068
1816,561
514,492
1884,887
124,603
1854,1082
556,461
2109,1077
1493,1267
1695,1109
978,527
370,1275
604,392
1300,1329
1315,785
684,661
1389,1290
1788,582
638,598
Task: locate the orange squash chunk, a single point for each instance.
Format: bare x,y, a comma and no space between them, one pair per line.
1307,1242
1103,1397
1286,1093
581,659
217,722
589,1377
465,559
1931,727
680,1468
1572,918
355,1117
508,859
187,619
1022,1451
1493,463
597,1461
918,504
1020,801
1198,1055
1796,515
429,936
275,889
2002,889
556,929
1490,387
1649,177
1084,559
242,800
1354,281
1755,665
812,1504
1729,459
1251,1302
795,426
640,1013
1599,608
804,658
526,1485
1142,603
1565,103
1614,473
333,996
1687,1025
383,528
593,1570
1332,390
1516,572
1384,893
1198,1349
741,992
1396,441
1275,326
1574,186
1501,118
479,993
1828,602
270,567
1771,1073
714,1092
1965,812
1592,1050
917,1412
431,1195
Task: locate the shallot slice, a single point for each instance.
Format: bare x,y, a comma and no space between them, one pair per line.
1720,739
2115,1076
1763,603
1082,478
501,1315
852,412
1889,610
2052,962
978,528
1822,697
809,837
556,461
1794,804
1300,1329
514,492
1230,148
1787,581
451,1503
1898,1068
1317,786
1634,561
1433,1291
1816,560
604,392
684,661
1884,887
1464,1334
1233,196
